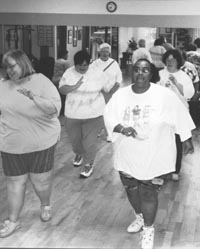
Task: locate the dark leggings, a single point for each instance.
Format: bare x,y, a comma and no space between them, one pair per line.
179,154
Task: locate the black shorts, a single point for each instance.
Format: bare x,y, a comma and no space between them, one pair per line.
33,162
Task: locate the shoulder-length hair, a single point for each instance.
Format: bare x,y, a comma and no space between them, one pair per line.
176,54
21,59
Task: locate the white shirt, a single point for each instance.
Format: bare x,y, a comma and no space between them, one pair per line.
157,53
87,101
141,53
113,73
156,115
183,79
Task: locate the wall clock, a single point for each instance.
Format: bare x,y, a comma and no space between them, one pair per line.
111,6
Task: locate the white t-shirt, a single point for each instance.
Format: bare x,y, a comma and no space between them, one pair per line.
157,53
113,72
87,101
183,79
141,53
24,127
156,115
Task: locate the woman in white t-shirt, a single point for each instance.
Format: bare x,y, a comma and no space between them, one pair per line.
84,106
141,120
180,83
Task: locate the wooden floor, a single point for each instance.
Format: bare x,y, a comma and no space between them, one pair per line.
94,212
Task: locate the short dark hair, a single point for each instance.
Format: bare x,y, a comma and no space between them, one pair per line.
158,42
197,42
81,56
176,54
62,53
191,47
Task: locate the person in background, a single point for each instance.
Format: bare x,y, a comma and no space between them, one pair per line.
197,42
30,129
157,51
141,52
112,70
180,83
110,67
192,72
166,44
142,128
193,56
84,106
60,66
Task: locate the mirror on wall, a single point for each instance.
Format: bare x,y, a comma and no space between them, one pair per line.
43,40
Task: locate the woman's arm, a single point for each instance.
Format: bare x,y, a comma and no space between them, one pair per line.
65,89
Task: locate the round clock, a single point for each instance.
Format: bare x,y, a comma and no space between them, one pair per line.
111,6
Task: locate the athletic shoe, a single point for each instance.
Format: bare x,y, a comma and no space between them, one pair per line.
87,171
136,225
46,213
147,237
8,228
77,160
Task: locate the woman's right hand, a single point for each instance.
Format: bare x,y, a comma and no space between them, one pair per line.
79,82
129,131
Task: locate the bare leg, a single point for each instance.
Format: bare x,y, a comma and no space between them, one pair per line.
42,183
16,186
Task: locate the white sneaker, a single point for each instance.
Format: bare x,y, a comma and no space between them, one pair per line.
175,176
77,160
136,225
147,237
87,171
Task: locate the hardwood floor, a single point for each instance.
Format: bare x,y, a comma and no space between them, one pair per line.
94,212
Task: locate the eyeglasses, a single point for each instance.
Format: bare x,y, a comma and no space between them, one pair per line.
11,66
141,70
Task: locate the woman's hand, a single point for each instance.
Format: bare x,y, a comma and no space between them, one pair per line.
128,131
175,82
188,147
26,92
79,82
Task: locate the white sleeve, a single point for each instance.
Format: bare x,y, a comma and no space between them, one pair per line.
179,115
112,115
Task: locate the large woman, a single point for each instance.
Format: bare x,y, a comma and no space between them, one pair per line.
181,84
141,120
29,131
84,106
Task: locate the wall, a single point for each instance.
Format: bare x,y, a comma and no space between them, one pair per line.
129,13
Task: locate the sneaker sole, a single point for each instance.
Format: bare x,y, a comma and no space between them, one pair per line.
141,229
45,220
78,164
85,176
16,228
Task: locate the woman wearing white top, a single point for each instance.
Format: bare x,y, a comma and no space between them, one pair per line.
179,82
110,67
84,106
141,120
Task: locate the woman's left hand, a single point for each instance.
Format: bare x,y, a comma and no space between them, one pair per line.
26,92
188,147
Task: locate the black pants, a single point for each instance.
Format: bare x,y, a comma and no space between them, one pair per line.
179,153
